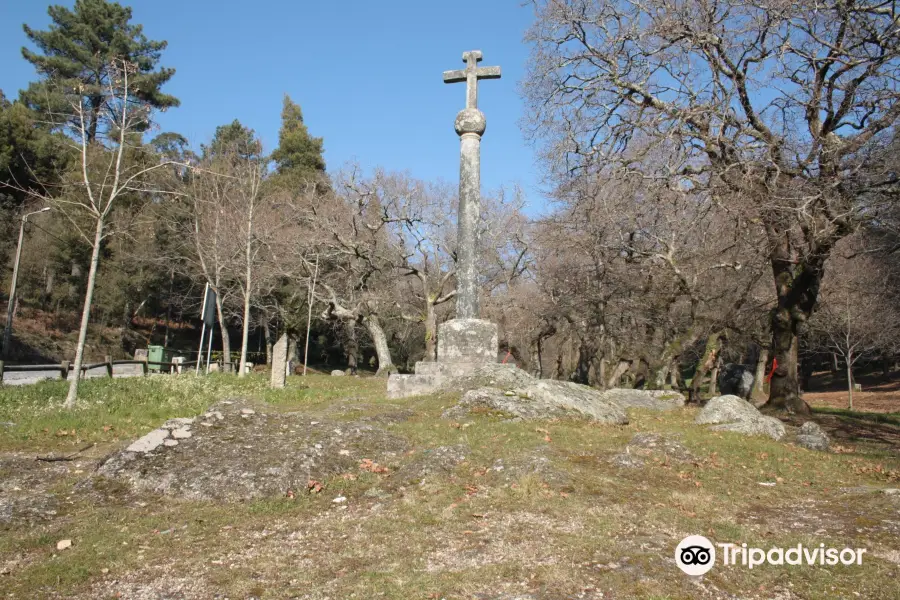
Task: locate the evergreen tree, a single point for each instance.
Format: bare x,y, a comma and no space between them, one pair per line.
233,139
299,155
77,51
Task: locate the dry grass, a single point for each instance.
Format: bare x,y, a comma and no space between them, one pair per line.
579,528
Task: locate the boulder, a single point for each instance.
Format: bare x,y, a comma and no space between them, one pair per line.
664,444
493,399
648,399
542,399
736,380
239,453
726,409
642,445
495,375
626,460
768,426
531,464
337,373
812,437
731,413
441,460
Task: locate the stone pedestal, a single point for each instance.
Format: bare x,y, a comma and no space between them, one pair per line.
463,346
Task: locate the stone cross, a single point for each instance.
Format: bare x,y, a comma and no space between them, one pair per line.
471,74
470,126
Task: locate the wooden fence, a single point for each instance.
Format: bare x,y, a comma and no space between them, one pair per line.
64,368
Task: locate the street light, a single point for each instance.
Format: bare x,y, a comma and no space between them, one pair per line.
7,332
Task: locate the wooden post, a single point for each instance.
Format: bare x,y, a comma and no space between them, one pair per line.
64,369
1,371
144,368
108,360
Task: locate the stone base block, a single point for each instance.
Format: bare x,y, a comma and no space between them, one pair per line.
467,341
403,386
463,346
446,369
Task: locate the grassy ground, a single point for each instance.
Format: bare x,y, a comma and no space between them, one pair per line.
578,527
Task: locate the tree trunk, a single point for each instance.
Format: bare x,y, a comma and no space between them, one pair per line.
560,371
385,364
49,282
352,347
169,306
586,353
245,329
620,370
85,316
430,331
536,350
850,378
714,381
223,327
784,389
760,379
267,334
706,364
659,378
796,287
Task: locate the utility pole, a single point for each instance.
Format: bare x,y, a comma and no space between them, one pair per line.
11,306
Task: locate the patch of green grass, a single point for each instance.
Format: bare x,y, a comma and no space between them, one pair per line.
113,410
889,418
463,533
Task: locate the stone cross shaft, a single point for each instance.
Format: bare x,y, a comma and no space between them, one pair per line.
470,125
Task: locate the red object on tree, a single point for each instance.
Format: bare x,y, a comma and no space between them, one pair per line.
772,372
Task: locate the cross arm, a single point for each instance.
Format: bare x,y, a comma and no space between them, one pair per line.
487,73
454,76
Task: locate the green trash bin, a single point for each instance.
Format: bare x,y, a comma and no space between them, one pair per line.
159,354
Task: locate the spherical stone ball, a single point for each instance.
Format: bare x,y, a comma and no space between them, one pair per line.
470,120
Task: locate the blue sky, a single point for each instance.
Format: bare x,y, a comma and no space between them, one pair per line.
366,73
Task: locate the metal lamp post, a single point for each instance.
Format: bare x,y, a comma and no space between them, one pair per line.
7,332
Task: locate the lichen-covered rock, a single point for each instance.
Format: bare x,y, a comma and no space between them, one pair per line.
532,464
762,425
542,399
648,399
440,460
626,460
645,444
581,399
812,437
664,444
730,413
495,375
726,409
507,402
237,453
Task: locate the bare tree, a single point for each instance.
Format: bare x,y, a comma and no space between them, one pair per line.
113,167
778,104
857,317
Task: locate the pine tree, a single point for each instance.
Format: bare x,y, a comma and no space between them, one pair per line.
299,155
233,139
77,53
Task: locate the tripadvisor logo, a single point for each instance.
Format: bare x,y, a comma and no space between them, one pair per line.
696,555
